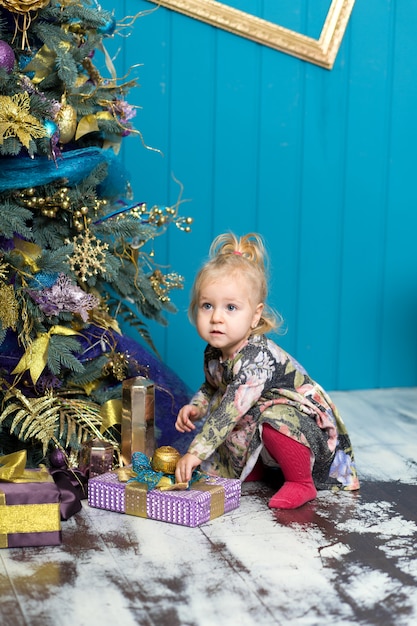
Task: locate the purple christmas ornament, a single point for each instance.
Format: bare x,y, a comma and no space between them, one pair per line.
7,58
58,458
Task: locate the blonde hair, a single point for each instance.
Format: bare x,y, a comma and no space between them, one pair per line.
228,255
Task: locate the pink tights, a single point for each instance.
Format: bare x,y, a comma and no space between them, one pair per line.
294,460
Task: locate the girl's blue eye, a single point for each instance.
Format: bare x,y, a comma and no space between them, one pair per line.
231,307
206,306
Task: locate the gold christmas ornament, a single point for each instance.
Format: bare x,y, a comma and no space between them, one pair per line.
165,459
67,123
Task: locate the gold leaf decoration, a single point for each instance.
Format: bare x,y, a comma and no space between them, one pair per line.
81,420
34,418
48,419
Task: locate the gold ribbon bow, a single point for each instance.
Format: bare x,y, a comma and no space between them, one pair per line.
12,470
30,252
111,414
36,355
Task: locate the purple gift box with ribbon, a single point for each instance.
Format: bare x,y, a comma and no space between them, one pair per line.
29,505
205,500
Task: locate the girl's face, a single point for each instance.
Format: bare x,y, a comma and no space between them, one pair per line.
227,313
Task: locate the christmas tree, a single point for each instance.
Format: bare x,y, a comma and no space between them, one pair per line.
75,249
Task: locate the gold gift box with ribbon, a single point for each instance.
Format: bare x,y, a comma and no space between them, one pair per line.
29,504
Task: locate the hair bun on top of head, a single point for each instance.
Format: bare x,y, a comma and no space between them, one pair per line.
250,246
230,253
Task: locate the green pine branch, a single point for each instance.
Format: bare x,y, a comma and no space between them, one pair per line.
61,355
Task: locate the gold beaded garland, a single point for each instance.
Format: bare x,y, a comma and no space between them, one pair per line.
50,205
116,366
163,283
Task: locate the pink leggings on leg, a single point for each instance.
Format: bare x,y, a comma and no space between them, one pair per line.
294,460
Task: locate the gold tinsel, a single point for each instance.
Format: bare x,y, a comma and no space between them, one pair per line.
9,310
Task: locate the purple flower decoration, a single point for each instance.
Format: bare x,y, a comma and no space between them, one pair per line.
64,295
123,110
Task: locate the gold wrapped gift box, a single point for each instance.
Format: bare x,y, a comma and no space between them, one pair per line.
138,417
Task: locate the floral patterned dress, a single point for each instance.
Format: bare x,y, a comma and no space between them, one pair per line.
261,384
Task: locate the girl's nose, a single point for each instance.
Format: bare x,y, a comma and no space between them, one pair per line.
216,315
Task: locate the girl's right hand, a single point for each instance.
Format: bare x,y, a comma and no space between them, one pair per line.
186,416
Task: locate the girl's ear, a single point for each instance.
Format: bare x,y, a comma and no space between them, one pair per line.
257,315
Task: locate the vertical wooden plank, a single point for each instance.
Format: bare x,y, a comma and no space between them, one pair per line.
281,86
367,155
398,338
321,189
148,155
236,135
192,113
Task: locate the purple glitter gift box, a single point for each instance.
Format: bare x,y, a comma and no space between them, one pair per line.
205,500
29,514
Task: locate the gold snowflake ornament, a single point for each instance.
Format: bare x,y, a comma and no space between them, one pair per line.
17,121
88,258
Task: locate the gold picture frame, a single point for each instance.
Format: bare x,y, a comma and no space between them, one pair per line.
321,51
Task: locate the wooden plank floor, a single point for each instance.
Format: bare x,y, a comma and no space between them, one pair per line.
343,559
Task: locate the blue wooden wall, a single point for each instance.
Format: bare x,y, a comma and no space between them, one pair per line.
321,163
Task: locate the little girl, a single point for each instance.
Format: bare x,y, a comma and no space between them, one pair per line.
256,399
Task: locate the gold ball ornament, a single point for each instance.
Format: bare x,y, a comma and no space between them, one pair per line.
165,459
66,120
24,6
